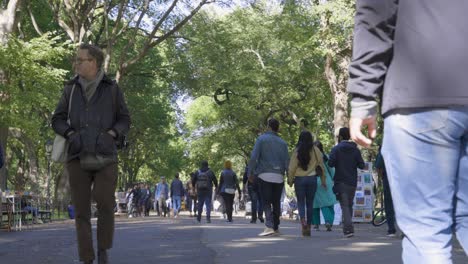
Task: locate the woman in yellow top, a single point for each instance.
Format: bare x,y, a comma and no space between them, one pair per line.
305,166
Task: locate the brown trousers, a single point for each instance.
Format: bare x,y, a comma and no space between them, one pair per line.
101,185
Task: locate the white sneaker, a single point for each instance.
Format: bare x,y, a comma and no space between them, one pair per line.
267,232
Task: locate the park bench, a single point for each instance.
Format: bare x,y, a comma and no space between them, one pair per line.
45,215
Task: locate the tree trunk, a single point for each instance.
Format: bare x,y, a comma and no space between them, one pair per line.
7,22
338,89
4,171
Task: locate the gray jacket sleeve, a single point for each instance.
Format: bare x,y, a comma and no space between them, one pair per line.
372,53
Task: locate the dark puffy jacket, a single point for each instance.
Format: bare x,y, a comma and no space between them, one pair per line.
346,158
91,120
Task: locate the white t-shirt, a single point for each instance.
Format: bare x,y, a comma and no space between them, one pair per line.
271,177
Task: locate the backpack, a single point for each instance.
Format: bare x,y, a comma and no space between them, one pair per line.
203,180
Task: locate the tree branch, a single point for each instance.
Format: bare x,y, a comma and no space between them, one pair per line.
33,20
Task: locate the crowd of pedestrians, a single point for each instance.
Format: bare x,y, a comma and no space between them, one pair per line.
319,180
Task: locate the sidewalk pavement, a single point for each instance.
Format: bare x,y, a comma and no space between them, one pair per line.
182,240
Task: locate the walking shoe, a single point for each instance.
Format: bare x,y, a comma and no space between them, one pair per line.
329,227
102,257
261,220
208,221
277,232
391,234
253,221
349,234
267,232
316,227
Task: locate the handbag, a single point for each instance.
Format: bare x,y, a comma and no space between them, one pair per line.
60,147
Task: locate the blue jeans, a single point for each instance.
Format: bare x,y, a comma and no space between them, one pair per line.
204,198
305,188
176,200
425,152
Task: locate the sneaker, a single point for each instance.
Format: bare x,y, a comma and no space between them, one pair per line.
261,220
329,227
316,227
349,234
253,221
208,221
391,234
277,232
267,232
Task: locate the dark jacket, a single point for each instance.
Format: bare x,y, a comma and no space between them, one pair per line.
414,51
346,158
213,180
1,156
177,188
91,120
229,180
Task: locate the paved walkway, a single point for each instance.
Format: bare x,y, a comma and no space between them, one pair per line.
162,240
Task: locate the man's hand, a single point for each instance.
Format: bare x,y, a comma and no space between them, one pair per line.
355,127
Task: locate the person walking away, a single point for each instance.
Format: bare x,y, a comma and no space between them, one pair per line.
228,184
268,163
161,195
305,166
143,199
93,116
324,199
204,179
147,206
129,198
346,159
387,197
419,73
189,197
177,191
256,206
194,194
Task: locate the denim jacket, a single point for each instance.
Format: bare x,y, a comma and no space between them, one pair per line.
270,154
161,189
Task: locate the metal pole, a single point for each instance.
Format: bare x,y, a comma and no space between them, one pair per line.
48,184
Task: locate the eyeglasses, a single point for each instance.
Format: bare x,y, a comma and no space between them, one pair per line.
80,60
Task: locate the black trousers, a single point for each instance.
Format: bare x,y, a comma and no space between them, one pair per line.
228,204
271,198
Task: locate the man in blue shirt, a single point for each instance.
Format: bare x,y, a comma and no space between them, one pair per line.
177,191
161,194
269,163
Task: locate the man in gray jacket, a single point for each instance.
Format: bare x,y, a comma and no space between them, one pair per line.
269,162
93,122
413,54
